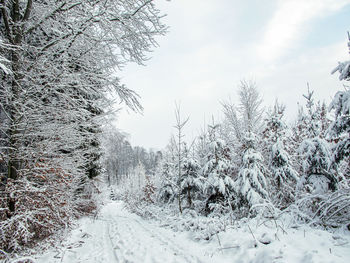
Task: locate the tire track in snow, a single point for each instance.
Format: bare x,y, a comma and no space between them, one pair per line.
139,242
173,245
109,243
119,236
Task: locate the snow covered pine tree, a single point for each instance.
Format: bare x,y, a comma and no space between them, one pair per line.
217,173
251,184
335,209
283,175
190,181
318,172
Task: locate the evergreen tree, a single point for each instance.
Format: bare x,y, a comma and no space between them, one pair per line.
167,191
242,119
344,67
312,122
218,174
316,165
190,181
318,172
149,190
339,130
299,131
281,170
251,184
334,210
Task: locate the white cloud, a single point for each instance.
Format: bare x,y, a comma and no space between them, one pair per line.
289,23
287,83
201,61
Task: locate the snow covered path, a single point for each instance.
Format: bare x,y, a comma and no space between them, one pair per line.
119,236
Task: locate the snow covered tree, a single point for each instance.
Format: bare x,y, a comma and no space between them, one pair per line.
112,143
316,118
318,173
250,106
343,67
251,184
4,63
139,173
246,121
299,130
200,146
320,164
319,180
118,158
217,173
190,181
334,210
281,170
180,151
149,190
132,185
51,51
275,127
344,70
311,122
167,191
246,117
280,165
63,56
339,130
167,172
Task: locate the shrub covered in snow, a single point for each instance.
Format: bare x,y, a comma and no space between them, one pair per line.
40,204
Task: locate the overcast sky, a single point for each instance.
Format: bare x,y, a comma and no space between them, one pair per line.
213,44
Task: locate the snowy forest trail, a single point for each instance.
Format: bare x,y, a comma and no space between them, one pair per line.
119,236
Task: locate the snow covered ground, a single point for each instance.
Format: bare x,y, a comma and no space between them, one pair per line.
117,235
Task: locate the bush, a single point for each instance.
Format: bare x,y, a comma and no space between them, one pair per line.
38,204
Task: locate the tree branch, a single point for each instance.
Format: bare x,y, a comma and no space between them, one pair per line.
71,7
6,21
28,10
128,16
46,17
142,6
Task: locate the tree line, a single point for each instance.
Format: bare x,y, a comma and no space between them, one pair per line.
59,66
121,159
255,163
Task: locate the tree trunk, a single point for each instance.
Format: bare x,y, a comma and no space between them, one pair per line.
179,198
15,36
17,31
189,197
